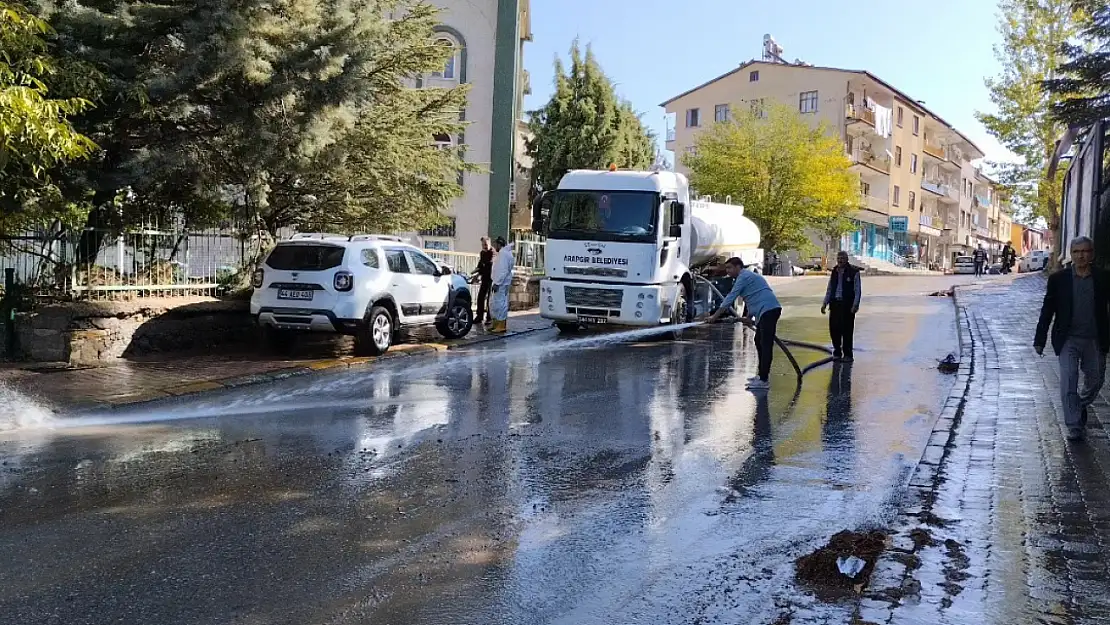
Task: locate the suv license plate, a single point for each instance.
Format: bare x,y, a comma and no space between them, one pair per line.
295,294
593,319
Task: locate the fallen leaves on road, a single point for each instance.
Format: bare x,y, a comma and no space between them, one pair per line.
819,569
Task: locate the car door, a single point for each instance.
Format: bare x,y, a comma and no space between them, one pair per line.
435,286
405,286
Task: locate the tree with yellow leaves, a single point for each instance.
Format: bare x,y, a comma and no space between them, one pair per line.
789,175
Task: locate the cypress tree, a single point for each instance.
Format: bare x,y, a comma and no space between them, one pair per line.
585,125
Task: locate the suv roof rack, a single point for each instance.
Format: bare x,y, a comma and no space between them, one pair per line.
323,236
376,237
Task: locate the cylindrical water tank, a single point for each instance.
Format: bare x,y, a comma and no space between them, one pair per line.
720,231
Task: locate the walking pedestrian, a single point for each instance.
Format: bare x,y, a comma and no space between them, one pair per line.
1077,305
762,304
1008,257
980,258
484,275
501,280
842,296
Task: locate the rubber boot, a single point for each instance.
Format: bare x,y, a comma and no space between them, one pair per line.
499,327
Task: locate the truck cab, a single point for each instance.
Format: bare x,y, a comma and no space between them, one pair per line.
618,249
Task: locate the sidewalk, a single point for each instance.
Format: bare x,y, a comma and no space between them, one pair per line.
165,375
1005,522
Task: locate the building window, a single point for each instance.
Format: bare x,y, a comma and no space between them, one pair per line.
913,163
901,115
898,156
693,118
444,142
757,109
720,113
450,67
754,76
864,188
916,125
897,194
913,200
807,102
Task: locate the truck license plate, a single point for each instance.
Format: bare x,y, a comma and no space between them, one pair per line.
593,319
295,294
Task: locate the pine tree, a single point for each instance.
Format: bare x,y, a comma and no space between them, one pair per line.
1082,91
264,111
585,126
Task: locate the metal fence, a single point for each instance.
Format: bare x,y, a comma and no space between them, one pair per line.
98,264
155,262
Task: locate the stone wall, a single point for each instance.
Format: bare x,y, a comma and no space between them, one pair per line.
524,294
96,333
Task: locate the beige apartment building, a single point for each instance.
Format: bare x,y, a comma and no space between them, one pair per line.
922,201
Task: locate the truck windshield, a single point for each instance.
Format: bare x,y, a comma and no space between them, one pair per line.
604,215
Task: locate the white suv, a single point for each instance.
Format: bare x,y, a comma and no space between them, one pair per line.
368,286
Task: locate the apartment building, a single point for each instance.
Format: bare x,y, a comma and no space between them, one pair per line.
916,172
488,38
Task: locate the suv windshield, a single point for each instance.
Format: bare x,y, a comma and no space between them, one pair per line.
302,257
604,215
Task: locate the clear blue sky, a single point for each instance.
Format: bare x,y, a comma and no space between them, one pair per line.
654,50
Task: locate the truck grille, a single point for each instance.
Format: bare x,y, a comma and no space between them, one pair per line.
593,298
596,271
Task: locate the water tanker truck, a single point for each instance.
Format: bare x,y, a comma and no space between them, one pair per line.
629,248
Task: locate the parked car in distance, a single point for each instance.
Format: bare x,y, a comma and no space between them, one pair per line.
963,264
368,286
1036,260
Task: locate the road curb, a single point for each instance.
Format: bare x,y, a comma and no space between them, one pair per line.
311,367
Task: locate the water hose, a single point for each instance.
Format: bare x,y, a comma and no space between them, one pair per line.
782,343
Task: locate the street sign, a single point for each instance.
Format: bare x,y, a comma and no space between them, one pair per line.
899,223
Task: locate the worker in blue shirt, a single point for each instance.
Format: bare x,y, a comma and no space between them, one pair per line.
763,306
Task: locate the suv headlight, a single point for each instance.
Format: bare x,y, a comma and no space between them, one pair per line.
344,281
258,277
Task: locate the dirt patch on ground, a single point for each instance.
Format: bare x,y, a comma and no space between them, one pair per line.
921,538
819,569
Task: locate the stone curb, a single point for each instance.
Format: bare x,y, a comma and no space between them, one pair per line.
316,366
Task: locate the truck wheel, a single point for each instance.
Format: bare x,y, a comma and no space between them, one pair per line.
277,341
375,333
680,315
567,328
457,322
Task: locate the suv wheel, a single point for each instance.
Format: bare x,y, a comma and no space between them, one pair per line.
458,321
375,333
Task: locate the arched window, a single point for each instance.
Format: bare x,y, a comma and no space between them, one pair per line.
443,141
451,66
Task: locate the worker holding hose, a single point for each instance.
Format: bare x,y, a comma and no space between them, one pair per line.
762,304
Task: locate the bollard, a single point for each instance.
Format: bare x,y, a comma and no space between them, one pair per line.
7,308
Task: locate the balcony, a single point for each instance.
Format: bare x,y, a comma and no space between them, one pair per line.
868,159
671,132
934,150
875,203
930,225
981,231
857,113
982,201
933,185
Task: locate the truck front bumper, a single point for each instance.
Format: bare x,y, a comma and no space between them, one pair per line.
590,303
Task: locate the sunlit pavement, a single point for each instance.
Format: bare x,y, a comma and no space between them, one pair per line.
1020,517
537,480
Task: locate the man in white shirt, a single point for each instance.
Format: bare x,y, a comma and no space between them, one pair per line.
502,275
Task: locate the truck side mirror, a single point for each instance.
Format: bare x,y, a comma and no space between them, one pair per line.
676,232
678,213
541,210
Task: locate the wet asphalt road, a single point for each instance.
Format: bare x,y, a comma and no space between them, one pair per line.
539,481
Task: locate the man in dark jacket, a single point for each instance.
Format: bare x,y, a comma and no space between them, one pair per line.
979,256
484,273
1077,305
843,296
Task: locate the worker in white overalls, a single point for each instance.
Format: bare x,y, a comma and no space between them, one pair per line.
502,281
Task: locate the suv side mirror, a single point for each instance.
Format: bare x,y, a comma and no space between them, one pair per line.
444,270
541,210
678,213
